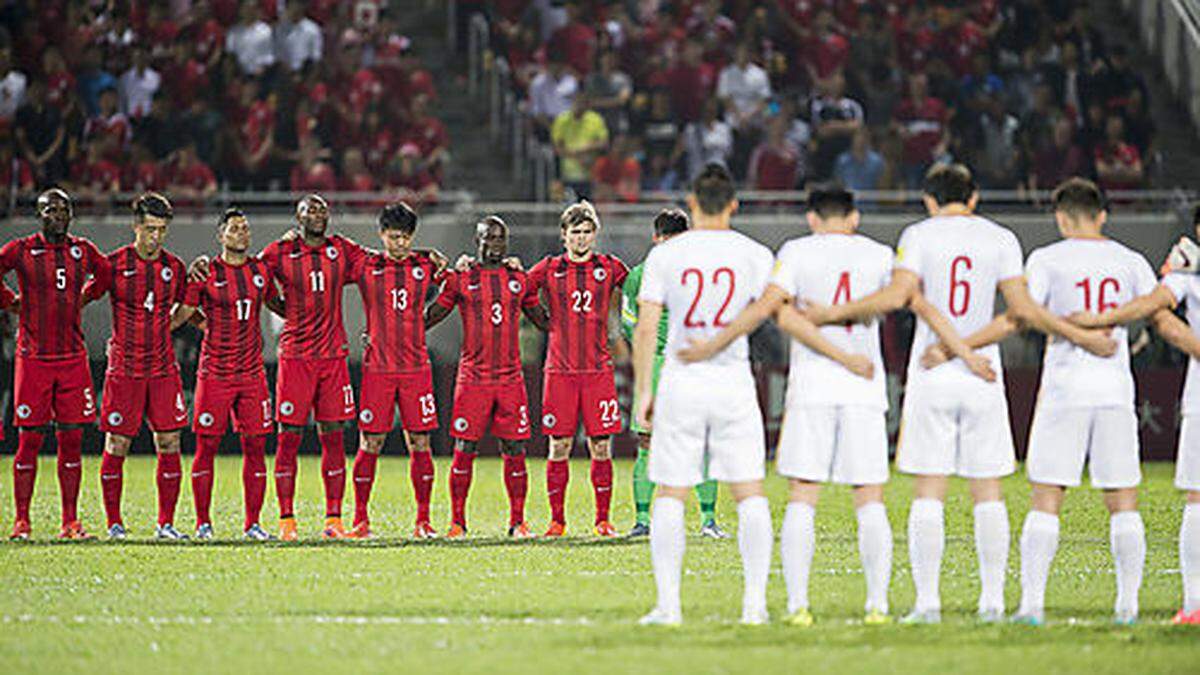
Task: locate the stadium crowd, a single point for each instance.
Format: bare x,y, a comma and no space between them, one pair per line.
639,95
188,94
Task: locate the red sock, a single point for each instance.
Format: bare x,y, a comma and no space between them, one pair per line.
285,471
460,485
333,471
602,476
420,472
112,476
29,444
364,479
202,475
169,475
516,482
70,471
254,476
558,472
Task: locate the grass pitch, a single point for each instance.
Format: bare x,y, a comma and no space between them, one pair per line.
488,606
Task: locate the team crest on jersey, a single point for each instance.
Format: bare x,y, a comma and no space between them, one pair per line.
366,416
460,424
259,282
418,273
514,286
331,252
76,253
286,408
24,411
549,420
115,418
166,274
206,419
599,274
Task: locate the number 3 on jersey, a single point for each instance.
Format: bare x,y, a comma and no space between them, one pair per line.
722,276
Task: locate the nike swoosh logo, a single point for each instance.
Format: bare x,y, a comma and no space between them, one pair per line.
335,472
603,489
377,272
71,465
295,254
472,288
171,476
517,475
362,479
427,478
456,472
197,474
220,284
23,467
559,275
128,273
36,251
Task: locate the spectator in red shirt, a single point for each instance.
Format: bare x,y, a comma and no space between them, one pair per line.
110,123
142,173
828,52
1059,160
190,178
185,75
412,183
312,173
575,41
922,122
1118,163
775,163
617,175
256,133
58,79
356,177
94,176
691,81
427,133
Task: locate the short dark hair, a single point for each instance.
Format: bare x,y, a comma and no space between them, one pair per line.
1196,215
950,184
398,216
1078,197
830,200
581,211
670,222
228,215
713,189
152,204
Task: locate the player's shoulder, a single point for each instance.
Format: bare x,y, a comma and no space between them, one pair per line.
120,254
171,259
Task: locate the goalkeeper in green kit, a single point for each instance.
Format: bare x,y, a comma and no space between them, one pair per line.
667,224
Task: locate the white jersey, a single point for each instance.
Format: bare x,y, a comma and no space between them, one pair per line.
704,278
1087,275
1186,289
834,269
960,260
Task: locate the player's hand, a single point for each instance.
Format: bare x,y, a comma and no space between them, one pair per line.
697,350
292,234
934,356
645,411
981,367
15,307
198,270
1099,342
439,261
1086,320
463,263
861,366
816,312
512,262
1184,257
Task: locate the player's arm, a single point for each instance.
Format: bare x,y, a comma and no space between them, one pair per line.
537,316
905,284
645,343
1139,308
997,330
9,301
808,334
978,364
97,285
435,313
441,307
750,318
181,314
275,305
1173,329
629,311
1027,312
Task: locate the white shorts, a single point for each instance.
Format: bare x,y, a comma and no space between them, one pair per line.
1061,439
834,444
1187,462
972,439
699,423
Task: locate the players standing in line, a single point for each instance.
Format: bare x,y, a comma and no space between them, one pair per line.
579,287
667,224
706,418
954,423
230,379
1179,285
394,285
491,297
52,381
144,283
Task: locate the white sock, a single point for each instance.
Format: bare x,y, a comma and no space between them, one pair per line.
1039,542
754,541
875,551
991,547
926,540
1189,556
797,540
1127,536
667,543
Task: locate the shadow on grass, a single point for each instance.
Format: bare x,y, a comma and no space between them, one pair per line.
345,544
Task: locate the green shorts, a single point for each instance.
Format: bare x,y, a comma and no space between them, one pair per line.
633,425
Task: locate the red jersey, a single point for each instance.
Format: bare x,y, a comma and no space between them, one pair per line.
926,124
51,278
393,294
142,294
312,278
489,300
232,298
577,296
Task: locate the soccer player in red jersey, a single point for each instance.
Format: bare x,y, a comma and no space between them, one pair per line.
52,382
231,381
144,282
579,287
394,285
491,296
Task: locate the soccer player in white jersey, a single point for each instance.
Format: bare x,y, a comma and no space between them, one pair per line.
954,423
1179,285
705,414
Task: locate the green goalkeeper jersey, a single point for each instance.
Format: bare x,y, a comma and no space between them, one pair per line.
629,311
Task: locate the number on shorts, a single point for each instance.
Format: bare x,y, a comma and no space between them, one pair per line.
149,303
609,412
689,319
1102,304
266,405
348,396
428,408
581,301
243,308
497,313
956,285
316,279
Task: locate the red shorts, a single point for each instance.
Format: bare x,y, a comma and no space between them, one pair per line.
53,390
317,386
412,391
504,404
245,400
566,395
127,400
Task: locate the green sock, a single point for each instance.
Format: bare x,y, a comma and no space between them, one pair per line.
706,494
643,489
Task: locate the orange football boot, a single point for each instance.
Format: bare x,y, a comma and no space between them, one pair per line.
520,531
73,530
424,530
360,531
556,529
606,529
21,530
287,529
456,531
334,529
